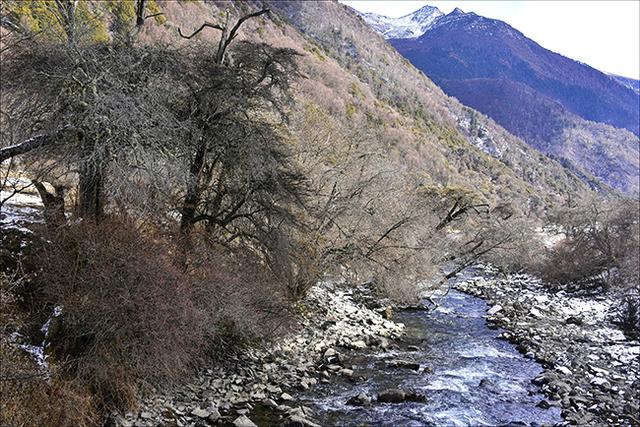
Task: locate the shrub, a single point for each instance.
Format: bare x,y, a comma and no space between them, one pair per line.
128,317
33,401
599,248
629,316
133,318
521,251
245,301
26,397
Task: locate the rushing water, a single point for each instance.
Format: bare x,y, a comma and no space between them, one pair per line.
468,375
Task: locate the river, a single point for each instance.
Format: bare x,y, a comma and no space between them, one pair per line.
468,375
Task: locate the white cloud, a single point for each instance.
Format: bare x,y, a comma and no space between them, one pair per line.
603,34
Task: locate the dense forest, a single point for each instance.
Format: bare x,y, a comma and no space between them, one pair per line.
198,176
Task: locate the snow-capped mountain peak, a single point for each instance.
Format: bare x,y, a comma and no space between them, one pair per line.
408,26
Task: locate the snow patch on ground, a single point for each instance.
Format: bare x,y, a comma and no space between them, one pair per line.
20,210
38,352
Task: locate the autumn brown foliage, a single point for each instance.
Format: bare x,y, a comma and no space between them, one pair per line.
133,317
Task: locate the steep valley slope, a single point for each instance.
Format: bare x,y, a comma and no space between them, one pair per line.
357,81
359,93
564,108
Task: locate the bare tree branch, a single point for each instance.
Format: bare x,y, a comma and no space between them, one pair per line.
140,6
30,144
225,39
234,30
202,27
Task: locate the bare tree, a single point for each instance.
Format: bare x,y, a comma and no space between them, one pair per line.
59,88
599,245
238,161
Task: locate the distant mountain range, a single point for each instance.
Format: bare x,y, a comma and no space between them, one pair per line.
586,118
412,25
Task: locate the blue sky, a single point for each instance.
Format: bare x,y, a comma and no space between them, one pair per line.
603,34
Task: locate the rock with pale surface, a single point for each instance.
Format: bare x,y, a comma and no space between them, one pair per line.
243,421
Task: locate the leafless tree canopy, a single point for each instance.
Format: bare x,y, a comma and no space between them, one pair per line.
600,244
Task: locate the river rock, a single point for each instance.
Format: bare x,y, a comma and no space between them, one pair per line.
543,404
599,381
572,320
564,370
360,400
359,344
493,310
412,396
243,421
392,396
535,312
201,413
146,415
331,355
270,403
346,373
540,380
214,416
401,363
298,421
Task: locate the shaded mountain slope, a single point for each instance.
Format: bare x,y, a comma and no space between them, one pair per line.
536,94
608,153
465,45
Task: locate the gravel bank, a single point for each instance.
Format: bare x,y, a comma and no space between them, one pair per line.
591,369
271,377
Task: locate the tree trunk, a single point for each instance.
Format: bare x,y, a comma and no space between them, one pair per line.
53,204
192,197
90,191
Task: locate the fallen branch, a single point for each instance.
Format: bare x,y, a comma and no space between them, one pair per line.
25,146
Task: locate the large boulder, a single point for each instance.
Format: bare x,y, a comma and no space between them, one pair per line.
360,400
392,396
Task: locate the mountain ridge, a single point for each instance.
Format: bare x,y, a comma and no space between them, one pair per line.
491,66
436,133
410,25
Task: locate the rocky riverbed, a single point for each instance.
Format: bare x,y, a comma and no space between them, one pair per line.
450,369
261,386
591,368
588,370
